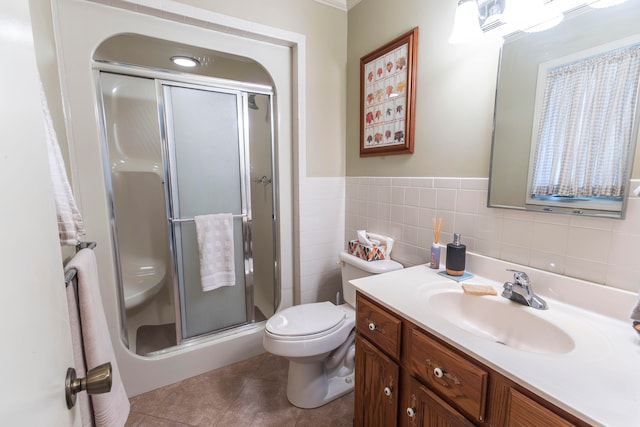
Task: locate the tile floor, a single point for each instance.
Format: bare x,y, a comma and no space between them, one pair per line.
252,393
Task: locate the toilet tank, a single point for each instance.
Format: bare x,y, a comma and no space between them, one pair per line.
355,268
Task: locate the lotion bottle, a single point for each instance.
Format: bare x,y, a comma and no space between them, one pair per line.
456,253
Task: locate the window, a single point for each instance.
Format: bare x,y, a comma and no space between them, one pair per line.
584,129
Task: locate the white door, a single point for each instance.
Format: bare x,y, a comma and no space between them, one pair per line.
36,342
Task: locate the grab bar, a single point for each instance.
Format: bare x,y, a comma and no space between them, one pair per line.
191,219
70,274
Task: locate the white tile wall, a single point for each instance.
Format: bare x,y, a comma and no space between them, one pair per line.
601,250
321,223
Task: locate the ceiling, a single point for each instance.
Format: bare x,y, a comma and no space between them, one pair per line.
340,4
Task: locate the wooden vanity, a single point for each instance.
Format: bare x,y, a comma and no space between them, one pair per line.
406,376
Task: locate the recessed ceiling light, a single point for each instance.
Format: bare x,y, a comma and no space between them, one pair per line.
185,61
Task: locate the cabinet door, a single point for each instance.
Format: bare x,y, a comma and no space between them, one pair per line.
425,409
524,412
376,388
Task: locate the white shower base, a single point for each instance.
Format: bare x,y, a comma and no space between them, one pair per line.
142,281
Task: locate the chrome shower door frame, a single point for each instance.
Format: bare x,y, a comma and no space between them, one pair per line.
173,207
241,89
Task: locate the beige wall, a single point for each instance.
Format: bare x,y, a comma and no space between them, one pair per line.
325,29
455,97
455,91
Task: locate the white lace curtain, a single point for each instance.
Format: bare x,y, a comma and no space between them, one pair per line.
585,131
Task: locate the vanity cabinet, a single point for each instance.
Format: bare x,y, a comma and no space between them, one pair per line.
406,376
377,351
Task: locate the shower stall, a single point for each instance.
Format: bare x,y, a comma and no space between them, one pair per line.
177,146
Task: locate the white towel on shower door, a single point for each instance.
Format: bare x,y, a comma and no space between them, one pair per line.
215,245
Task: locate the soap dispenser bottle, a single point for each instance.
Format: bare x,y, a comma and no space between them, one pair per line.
456,253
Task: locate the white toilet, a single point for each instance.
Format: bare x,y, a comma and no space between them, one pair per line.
318,339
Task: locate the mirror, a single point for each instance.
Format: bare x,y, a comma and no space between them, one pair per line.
515,111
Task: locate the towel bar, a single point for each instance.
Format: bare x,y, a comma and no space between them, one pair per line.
71,273
191,219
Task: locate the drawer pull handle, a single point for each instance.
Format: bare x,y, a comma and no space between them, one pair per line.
438,372
387,391
411,412
372,326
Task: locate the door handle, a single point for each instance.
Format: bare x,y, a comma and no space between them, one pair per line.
97,381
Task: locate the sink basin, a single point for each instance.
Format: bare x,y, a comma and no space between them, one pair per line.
502,321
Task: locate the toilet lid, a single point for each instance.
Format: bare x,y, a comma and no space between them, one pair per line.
305,319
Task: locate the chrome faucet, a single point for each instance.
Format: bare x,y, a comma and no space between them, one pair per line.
521,292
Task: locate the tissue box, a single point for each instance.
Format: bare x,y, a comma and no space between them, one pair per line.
366,253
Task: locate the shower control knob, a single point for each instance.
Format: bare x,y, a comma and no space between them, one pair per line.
387,391
372,326
263,180
411,412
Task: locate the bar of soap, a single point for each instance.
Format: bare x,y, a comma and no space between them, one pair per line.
472,289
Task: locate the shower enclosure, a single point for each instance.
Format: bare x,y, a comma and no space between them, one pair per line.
178,146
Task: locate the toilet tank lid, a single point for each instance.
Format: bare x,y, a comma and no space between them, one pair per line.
373,267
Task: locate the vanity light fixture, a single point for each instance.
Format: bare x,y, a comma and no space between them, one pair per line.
466,25
475,20
185,61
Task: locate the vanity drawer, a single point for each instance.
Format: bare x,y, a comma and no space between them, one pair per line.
379,326
455,378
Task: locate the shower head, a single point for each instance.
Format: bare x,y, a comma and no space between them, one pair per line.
252,102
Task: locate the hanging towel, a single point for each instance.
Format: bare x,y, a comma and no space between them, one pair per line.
109,409
215,244
70,224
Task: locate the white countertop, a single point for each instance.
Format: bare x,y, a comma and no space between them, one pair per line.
598,380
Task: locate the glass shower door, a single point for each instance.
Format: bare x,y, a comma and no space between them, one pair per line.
206,150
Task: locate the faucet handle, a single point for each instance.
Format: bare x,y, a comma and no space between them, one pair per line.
507,289
520,277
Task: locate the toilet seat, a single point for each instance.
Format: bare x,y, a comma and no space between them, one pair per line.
306,321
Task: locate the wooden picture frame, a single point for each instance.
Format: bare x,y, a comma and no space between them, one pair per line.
387,97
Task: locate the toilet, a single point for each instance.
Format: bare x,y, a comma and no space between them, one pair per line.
318,339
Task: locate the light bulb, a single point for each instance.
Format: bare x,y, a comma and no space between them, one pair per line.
184,61
466,26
